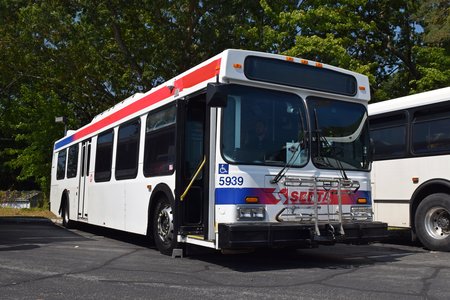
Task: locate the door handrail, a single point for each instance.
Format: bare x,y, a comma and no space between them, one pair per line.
200,167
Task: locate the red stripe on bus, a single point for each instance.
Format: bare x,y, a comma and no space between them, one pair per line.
202,74
199,75
148,100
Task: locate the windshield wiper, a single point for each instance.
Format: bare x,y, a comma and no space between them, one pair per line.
321,160
288,164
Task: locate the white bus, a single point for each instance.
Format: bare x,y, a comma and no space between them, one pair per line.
244,150
411,168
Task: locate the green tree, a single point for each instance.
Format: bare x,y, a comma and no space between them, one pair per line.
433,55
35,130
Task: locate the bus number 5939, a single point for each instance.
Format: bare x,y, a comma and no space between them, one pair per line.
231,180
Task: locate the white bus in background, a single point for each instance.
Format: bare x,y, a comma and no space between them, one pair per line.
411,168
245,150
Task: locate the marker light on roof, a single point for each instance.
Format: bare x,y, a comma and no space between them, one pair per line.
304,61
288,58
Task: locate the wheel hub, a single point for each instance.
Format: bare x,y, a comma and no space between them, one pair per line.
437,222
165,224
443,221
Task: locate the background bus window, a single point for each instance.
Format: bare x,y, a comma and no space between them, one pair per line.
72,161
159,157
431,132
388,135
103,156
61,167
128,150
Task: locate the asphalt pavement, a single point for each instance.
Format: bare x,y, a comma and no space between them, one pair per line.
42,260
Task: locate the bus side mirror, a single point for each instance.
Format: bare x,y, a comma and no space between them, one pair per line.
216,94
371,150
370,153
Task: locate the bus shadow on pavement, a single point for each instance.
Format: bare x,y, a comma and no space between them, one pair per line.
123,236
340,256
27,233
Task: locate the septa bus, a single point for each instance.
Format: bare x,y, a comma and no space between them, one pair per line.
411,179
245,150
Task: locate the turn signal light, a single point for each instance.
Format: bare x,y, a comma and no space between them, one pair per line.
237,66
361,201
251,200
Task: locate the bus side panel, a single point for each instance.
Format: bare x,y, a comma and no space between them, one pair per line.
106,204
393,185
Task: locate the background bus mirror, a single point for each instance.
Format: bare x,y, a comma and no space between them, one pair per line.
216,94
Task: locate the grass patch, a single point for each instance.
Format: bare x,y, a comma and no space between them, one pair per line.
398,228
26,212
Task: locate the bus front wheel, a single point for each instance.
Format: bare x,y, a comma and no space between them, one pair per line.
163,232
432,222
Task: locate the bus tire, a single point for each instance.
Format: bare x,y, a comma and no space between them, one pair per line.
432,222
163,232
65,215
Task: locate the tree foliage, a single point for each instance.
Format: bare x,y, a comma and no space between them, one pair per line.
77,58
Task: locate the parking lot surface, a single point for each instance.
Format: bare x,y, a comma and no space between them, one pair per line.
41,260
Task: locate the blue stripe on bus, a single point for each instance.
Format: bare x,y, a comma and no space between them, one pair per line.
285,196
64,142
238,195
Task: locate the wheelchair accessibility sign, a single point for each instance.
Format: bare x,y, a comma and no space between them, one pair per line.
223,168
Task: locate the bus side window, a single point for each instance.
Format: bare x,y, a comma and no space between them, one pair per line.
61,168
430,131
72,161
388,134
159,152
103,156
128,150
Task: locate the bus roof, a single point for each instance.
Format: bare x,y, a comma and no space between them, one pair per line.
222,67
410,101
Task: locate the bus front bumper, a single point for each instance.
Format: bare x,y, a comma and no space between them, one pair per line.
255,235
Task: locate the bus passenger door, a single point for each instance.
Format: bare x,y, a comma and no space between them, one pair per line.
192,207
84,177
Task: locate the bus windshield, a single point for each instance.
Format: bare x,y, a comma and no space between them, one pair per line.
340,138
263,126
267,127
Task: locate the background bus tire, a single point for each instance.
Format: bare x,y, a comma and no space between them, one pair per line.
432,222
163,233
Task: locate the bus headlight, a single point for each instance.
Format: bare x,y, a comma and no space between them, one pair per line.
361,212
251,213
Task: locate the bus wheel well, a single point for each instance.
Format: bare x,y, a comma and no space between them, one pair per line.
160,191
425,189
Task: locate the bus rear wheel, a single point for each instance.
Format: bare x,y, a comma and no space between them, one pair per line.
432,222
163,232
65,215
